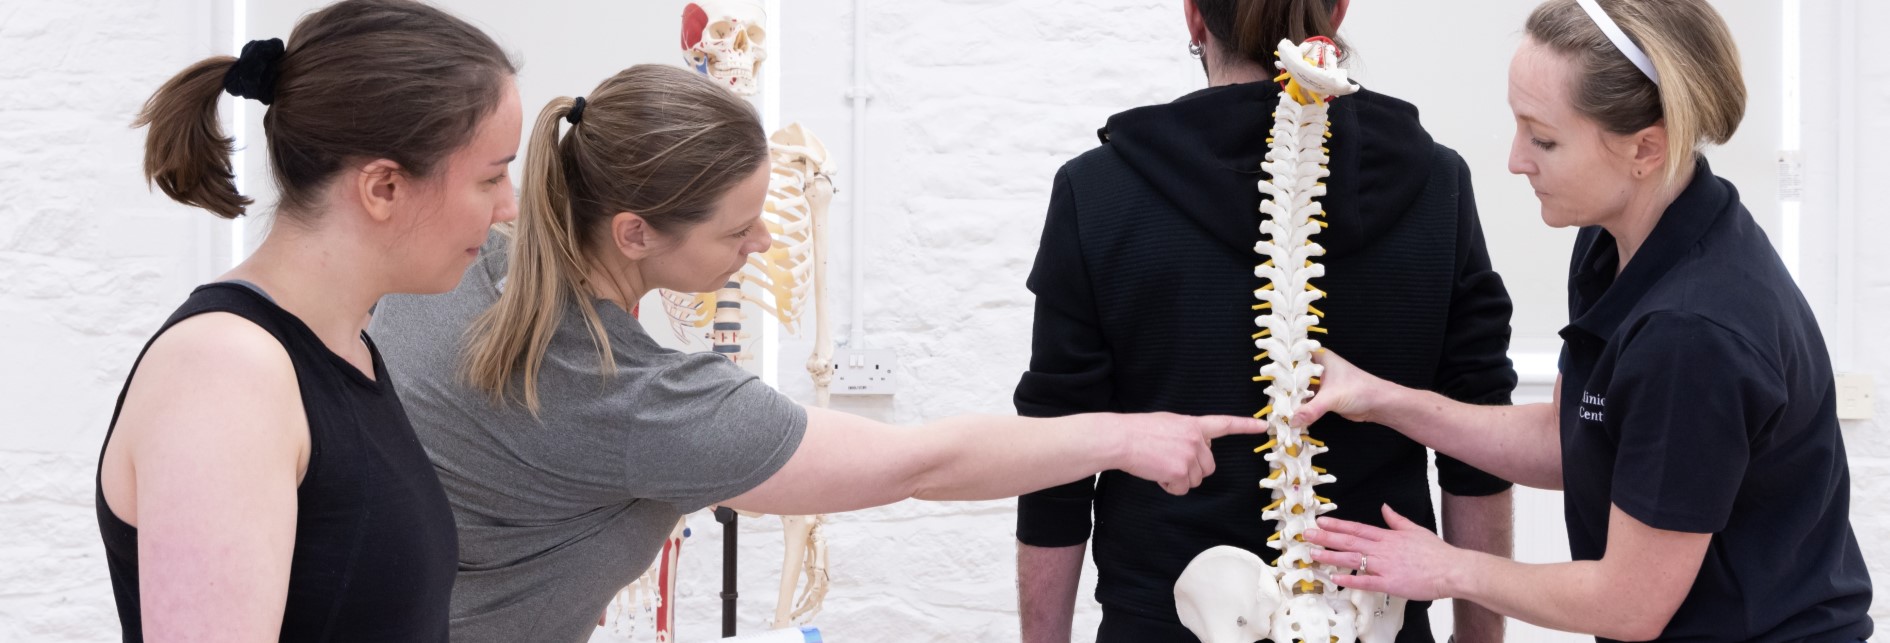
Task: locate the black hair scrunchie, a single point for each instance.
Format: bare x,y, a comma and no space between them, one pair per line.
577,111
254,74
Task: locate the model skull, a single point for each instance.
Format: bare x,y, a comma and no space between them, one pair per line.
726,40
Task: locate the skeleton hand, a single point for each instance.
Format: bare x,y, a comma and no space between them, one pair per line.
1172,450
1407,560
1343,389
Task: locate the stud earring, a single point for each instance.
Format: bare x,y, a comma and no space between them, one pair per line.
1194,49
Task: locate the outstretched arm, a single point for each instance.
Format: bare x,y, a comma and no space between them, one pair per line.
847,462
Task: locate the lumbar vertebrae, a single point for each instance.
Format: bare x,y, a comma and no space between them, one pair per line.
1227,594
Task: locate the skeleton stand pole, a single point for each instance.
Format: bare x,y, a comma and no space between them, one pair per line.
727,333
727,517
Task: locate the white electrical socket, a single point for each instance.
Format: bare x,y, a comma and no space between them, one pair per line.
865,372
1854,396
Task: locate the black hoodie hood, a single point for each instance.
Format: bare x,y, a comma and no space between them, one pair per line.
1202,152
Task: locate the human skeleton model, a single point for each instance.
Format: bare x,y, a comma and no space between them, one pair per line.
799,190
726,40
792,271
1227,594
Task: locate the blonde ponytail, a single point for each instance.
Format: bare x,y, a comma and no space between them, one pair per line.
544,273
1703,91
653,140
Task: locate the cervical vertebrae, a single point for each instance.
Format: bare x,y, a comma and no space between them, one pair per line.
1227,594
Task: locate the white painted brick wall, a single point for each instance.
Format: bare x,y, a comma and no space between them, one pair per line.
1869,441
92,263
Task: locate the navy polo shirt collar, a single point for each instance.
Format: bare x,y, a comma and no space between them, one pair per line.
1605,299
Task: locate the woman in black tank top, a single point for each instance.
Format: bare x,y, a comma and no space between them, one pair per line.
260,478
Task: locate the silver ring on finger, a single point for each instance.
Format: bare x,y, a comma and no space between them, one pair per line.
1363,560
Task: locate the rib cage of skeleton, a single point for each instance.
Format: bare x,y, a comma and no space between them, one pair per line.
785,271
1227,594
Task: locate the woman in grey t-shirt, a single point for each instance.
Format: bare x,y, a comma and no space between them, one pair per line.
570,443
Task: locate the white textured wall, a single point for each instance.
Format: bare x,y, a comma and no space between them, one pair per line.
1847,225
977,102
90,264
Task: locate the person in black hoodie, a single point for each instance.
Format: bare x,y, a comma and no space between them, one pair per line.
1143,284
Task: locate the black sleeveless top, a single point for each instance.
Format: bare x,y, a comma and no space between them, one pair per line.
375,546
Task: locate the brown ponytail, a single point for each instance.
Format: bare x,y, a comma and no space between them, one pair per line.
185,152
358,79
1253,29
655,140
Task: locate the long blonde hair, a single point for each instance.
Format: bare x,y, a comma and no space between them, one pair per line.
654,140
1702,95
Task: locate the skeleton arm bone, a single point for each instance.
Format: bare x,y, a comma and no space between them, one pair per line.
846,462
1521,444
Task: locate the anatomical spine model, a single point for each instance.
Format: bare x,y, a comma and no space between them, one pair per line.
1227,594
726,40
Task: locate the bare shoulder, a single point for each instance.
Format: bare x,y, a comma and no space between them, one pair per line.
213,405
213,354
215,379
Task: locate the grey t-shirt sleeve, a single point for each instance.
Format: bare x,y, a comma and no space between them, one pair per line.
702,430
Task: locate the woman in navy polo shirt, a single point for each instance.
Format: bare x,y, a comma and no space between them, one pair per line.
1694,429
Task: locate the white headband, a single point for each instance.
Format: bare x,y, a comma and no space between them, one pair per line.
1620,40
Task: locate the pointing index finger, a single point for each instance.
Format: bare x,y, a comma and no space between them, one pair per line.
1228,425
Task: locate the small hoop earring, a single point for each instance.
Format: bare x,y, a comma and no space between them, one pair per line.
1194,49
